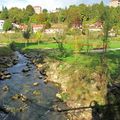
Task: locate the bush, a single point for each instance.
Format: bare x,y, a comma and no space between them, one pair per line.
7,25
13,46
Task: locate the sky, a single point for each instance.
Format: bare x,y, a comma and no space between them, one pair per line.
48,4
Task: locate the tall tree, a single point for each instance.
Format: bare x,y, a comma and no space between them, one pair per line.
4,14
15,15
26,35
30,10
107,25
7,25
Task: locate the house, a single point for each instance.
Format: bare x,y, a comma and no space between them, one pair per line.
16,25
10,31
23,27
56,10
36,27
98,26
53,31
77,24
114,3
37,9
1,25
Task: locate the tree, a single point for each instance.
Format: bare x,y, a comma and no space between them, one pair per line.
47,25
45,10
73,17
15,15
59,38
25,16
30,10
7,25
53,17
107,25
38,36
34,19
4,14
26,35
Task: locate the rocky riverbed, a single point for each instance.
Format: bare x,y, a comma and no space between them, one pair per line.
81,93
25,93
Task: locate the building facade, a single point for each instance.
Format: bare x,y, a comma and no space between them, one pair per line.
114,3
38,9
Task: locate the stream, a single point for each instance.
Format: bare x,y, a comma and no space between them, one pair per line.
37,107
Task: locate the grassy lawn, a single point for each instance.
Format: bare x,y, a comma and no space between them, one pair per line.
69,42
114,44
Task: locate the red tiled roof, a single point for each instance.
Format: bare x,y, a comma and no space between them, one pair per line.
37,25
23,26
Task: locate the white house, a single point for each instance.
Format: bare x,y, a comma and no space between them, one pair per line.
53,31
37,9
1,25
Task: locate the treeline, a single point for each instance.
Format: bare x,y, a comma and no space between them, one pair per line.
79,15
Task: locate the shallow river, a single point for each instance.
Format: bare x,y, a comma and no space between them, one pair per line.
37,108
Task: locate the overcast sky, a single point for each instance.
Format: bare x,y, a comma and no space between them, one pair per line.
48,4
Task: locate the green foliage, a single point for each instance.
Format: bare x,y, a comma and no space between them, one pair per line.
73,16
26,34
4,14
12,46
7,25
59,38
53,17
30,10
38,36
15,15
45,10
47,25
64,96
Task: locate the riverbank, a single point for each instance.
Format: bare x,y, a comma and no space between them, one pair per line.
80,85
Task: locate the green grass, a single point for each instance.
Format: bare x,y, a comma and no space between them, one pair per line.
45,45
114,44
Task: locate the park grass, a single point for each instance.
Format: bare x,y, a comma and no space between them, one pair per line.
69,42
114,44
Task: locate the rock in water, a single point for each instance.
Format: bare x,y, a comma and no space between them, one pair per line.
26,70
15,97
40,77
35,84
3,77
21,97
45,81
36,92
7,76
5,88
